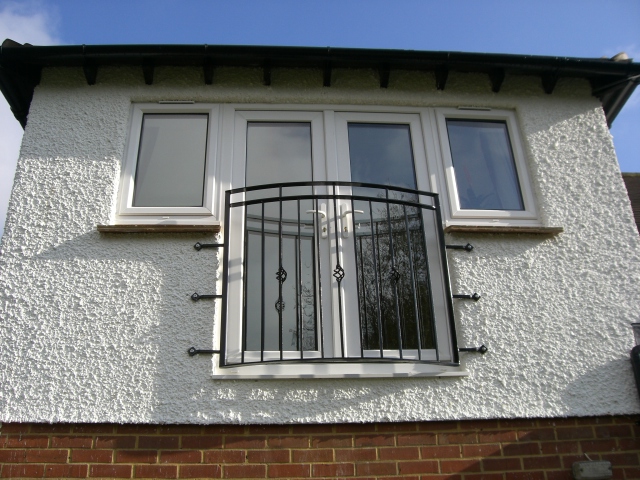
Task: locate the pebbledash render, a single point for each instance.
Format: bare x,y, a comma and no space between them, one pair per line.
325,301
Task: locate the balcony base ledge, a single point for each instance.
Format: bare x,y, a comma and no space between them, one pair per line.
334,370
537,230
150,228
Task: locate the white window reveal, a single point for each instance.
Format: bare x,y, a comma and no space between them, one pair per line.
168,172
485,172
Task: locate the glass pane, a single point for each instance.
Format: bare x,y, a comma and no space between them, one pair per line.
279,153
393,283
484,166
171,161
381,153
296,307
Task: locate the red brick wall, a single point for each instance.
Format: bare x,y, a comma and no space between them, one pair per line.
487,450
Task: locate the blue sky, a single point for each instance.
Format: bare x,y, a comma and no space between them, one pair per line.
568,28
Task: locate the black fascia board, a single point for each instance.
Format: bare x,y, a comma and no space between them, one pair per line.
20,65
74,55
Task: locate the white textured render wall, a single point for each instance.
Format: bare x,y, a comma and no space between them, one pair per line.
94,328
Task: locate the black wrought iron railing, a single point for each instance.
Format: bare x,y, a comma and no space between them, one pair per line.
334,272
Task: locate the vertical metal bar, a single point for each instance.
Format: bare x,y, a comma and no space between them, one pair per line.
225,282
262,292
338,267
364,293
299,289
280,299
355,250
429,291
244,285
393,269
317,292
413,282
376,262
377,240
447,283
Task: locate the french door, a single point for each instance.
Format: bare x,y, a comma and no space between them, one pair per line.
322,266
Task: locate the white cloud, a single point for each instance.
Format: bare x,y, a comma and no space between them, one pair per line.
26,22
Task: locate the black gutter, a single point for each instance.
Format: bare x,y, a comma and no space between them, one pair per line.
20,65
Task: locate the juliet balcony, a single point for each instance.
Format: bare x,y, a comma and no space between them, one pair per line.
334,272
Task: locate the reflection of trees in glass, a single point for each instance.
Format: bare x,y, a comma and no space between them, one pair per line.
307,317
284,312
395,241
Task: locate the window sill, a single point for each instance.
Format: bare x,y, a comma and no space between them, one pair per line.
538,230
210,228
335,370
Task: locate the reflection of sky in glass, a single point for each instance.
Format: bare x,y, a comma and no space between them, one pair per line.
171,161
278,152
483,164
381,153
298,293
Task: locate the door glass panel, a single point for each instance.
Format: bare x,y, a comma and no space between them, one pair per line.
391,261
278,152
280,258
381,153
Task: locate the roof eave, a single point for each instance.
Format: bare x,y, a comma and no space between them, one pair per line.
20,66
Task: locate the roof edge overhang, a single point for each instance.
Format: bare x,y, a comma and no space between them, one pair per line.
612,81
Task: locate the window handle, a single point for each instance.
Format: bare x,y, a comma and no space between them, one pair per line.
344,211
319,212
323,219
347,212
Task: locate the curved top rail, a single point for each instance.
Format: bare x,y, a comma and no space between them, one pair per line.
331,184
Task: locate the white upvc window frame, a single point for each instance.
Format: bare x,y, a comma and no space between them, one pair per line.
225,140
455,215
129,214
242,117
422,178
329,128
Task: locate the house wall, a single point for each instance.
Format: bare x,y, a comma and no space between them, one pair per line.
95,327
457,450
632,182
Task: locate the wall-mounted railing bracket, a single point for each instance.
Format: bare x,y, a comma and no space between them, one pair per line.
194,351
475,297
196,296
482,349
468,247
199,246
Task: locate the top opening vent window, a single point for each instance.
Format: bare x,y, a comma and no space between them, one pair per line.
168,173
483,164
485,172
171,161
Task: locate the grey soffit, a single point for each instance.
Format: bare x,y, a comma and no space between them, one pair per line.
612,81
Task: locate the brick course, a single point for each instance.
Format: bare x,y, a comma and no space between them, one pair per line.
520,449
